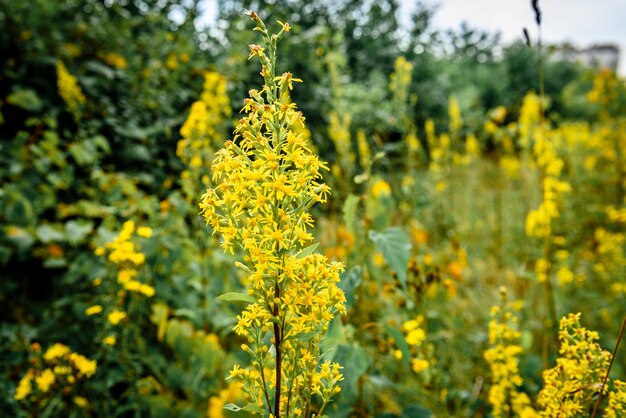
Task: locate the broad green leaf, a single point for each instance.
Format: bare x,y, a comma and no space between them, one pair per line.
18,210
350,280
77,231
47,233
308,250
186,313
349,211
417,411
395,246
236,297
84,153
102,143
355,361
398,337
26,99
55,263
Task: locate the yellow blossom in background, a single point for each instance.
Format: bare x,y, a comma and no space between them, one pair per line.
378,259
58,367
454,113
203,133
415,337
45,380
93,310
85,366
339,133
419,365
55,351
114,59
365,154
69,90
25,386
144,231
116,316
109,340
380,189
81,402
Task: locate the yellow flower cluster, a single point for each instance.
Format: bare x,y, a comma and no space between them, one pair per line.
439,150
57,367
415,335
617,401
570,386
402,102
605,92
365,154
267,180
114,59
503,359
609,252
380,189
339,134
454,114
400,80
399,86
69,90
202,132
126,255
529,120
539,220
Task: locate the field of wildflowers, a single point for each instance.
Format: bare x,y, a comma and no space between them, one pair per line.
284,216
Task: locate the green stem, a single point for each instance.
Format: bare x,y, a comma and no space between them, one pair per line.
606,377
277,340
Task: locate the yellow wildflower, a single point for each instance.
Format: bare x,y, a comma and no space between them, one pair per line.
93,310
116,316
45,380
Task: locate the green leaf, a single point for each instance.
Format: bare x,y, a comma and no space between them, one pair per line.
349,211
77,231
236,297
102,143
417,411
18,210
395,246
26,99
248,408
400,343
186,313
350,280
307,251
84,153
355,361
55,263
47,233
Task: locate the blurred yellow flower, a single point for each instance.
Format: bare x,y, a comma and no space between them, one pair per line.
116,316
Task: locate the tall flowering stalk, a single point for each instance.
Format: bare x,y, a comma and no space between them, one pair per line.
503,356
267,179
203,133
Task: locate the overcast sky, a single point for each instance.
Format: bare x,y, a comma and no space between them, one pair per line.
580,22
